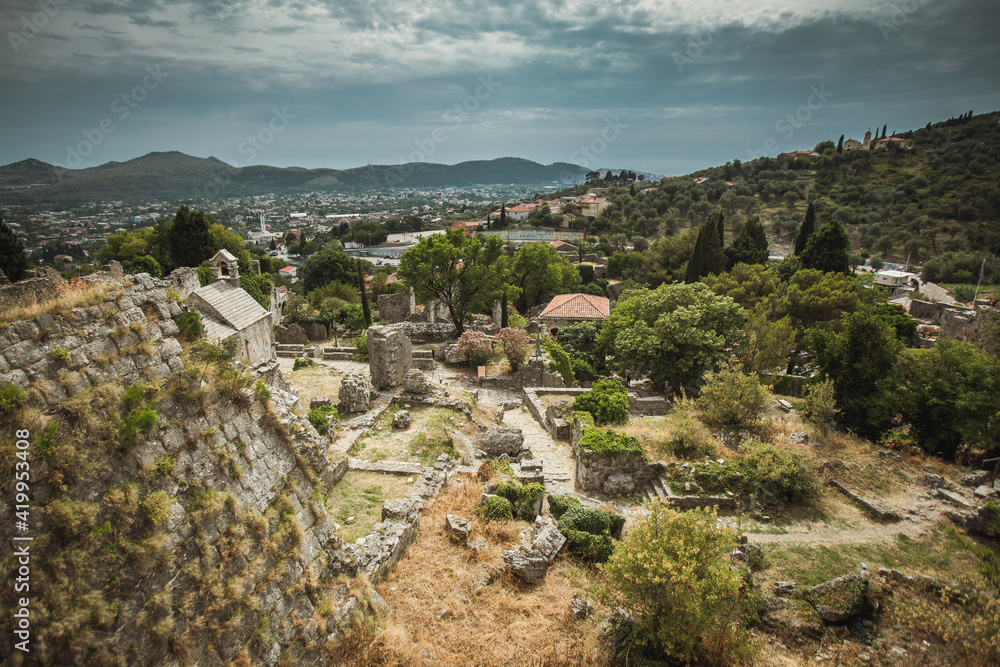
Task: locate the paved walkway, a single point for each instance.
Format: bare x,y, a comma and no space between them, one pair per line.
558,466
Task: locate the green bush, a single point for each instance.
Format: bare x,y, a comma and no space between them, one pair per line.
560,362
527,496
818,404
189,324
582,370
140,419
589,520
673,574
559,504
46,441
157,506
596,548
607,401
260,388
11,398
764,472
688,438
732,398
497,509
609,443
507,489
320,418
361,347
59,354
617,523
303,362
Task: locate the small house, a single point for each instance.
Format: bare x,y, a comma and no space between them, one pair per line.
566,309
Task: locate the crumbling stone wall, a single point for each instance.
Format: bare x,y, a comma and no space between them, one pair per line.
389,355
266,546
395,308
40,285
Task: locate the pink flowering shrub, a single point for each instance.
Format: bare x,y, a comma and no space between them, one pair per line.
516,345
476,347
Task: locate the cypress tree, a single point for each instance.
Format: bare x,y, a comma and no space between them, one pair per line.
190,238
750,246
693,271
504,319
806,229
503,216
840,144
827,249
364,296
13,261
722,230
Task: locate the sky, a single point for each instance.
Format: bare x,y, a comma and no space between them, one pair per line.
663,86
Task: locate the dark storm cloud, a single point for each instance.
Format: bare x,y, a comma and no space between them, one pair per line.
696,83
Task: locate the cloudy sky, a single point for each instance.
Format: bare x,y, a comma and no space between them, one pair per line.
664,86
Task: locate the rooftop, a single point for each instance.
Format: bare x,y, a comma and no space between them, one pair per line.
578,307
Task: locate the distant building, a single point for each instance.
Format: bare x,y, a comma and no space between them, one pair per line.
885,142
593,205
469,226
566,309
852,144
519,212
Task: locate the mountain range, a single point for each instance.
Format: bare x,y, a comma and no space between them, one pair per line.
177,176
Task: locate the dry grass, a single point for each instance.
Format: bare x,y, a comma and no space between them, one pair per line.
71,295
314,381
505,623
361,495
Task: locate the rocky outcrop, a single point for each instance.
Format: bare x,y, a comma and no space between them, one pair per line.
500,441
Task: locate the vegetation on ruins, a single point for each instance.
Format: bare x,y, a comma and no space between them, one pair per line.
607,402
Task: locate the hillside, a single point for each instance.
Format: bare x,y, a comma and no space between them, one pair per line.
940,195
176,176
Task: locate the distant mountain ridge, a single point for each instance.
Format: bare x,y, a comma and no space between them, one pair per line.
177,176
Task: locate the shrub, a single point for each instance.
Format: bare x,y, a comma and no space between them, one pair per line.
673,574
303,362
476,347
582,370
764,472
560,361
617,523
818,405
263,393
140,419
609,443
607,402
528,497
361,347
11,398
731,398
320,418
516,345
497,509
351,316
587,519
507,489
559,504
688,438
59,354
596,548
45,442
189,324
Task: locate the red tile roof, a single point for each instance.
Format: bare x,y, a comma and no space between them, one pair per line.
578,307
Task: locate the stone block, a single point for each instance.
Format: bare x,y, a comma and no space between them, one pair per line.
353,394
389,355
500,441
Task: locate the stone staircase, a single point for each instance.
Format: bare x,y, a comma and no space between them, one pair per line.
338,353
657,489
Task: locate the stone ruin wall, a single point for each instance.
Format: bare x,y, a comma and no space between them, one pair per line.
289,587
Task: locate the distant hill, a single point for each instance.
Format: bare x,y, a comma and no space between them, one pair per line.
176,176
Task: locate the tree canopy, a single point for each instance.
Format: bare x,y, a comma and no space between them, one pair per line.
190,238
331,264
674,333
541,273
806,229
464,273
826,250
12,258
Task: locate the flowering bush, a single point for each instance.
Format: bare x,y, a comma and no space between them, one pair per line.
476,347
516,345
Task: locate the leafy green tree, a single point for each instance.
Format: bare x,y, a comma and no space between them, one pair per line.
750,245
191,238
13,261
811,297
675,332
746,284
607,402
540,272
807,229
860,360
464,273
767,343
826,250
331,264
949,395
732,398
673,573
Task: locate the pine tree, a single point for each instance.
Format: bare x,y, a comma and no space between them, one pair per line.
806,229
365,308
827,249
13,261
708,255
190,238
840,144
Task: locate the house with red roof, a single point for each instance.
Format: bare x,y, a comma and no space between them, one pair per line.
566,309
519,212
593,205
469,226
